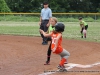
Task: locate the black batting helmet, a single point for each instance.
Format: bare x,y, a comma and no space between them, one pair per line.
59,27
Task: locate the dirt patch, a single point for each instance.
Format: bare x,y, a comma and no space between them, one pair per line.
24,55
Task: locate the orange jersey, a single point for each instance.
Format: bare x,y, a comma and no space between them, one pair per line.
59,48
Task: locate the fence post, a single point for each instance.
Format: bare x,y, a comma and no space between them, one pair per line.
95,17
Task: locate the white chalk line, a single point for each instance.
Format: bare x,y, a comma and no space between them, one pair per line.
70,66
82,66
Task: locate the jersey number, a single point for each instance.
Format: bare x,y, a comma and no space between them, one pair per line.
53,40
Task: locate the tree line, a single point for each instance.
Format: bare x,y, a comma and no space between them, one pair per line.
55,5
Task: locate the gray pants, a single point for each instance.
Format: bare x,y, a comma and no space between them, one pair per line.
64,54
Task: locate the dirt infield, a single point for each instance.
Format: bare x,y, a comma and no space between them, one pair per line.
24,55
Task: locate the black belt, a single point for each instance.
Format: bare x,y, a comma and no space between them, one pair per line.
45,20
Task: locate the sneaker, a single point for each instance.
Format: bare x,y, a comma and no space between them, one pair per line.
58,66
61,68
44,43
81,36
47,63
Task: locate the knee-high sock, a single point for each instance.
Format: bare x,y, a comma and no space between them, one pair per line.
81,33
62,62
49,53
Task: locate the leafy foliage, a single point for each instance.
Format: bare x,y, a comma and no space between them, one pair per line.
4,7
55,5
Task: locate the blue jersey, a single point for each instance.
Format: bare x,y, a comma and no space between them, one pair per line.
46,13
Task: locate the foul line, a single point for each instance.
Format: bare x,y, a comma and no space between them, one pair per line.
72,65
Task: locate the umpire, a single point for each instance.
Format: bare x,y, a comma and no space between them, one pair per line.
45,17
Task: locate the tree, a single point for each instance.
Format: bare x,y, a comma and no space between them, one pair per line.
95,5
59,5
55,5
4,7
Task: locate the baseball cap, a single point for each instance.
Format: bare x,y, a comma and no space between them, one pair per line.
45,3
80,18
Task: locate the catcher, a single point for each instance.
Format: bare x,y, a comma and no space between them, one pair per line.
50,29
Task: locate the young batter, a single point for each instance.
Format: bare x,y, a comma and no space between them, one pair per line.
56,46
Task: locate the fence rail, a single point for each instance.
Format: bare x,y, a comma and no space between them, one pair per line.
56,13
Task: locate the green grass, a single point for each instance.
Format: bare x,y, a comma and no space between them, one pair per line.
72,30
19,28
19,18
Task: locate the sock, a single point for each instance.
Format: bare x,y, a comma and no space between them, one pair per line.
85,34
62,62
48,58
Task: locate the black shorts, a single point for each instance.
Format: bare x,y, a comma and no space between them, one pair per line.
86,27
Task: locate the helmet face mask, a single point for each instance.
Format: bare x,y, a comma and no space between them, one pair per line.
59,27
